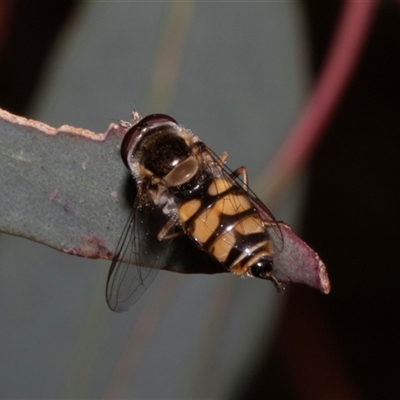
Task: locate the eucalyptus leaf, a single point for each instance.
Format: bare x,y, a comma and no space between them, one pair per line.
67,188
62,187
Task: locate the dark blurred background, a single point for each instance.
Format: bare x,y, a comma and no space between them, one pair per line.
351,218
346,344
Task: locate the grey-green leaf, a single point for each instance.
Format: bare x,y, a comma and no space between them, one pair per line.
62,187
67,188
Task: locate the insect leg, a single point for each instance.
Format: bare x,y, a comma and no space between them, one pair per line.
223,157
241,171
166,231
209,157
279,286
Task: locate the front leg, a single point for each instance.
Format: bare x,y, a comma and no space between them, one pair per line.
166,231
222,158
242,171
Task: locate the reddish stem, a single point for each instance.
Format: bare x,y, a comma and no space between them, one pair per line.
348,40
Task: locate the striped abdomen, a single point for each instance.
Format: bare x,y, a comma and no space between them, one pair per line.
226,225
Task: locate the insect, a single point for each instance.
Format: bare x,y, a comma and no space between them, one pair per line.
186,196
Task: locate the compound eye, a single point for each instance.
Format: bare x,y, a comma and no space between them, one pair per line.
262,268
133,133
155,119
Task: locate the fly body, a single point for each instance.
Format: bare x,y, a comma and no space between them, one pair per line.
187,190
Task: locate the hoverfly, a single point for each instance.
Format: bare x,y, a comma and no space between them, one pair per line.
185,193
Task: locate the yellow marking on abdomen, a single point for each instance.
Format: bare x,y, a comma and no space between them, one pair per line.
232,204
208,223
205,225
248,225
223,245
188,209
219,186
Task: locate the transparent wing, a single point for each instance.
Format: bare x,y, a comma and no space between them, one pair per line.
138,257
266,215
